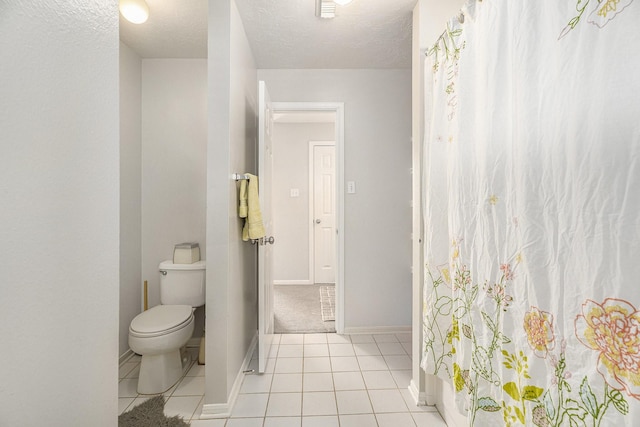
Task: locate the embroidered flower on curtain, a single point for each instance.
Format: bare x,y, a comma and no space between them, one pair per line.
613,329
539,327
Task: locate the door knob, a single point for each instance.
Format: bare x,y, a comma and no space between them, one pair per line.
269,240
318,221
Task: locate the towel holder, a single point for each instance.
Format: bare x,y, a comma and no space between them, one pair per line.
239,176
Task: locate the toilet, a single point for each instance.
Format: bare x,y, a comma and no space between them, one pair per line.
159,333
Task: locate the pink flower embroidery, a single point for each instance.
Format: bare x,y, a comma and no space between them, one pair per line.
613,329
539,327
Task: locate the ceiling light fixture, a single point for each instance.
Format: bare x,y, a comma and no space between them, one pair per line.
135,11
342,2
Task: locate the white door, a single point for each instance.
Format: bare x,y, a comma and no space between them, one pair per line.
265,258
324,211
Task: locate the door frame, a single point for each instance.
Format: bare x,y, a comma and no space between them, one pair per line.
312,237
338,108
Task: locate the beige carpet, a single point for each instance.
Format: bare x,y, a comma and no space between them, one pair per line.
297,309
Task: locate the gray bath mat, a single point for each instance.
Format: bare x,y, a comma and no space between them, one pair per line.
150,414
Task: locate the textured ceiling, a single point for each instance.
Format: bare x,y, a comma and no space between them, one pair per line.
284,33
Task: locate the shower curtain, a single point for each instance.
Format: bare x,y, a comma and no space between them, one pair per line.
531,208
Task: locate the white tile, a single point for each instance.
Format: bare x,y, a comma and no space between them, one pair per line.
315,338
339,350
407,347
273,350
353,402
123,403
428,419
291,339
375,380
288,365
250,405
404,337
245,422
395,420
411,403
317,381
322,421
190,386
385,338
276,339
366,349
364,338
284,405
256,383
125,369
387,401
317,364
290,350
316,350
196,371
338,339
402,378
372,363
344,364
398,363
286,383
319,403
208,423
128,387
348,381
282,422
362,420
184,406
391,348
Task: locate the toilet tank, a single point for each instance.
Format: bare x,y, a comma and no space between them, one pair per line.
182,283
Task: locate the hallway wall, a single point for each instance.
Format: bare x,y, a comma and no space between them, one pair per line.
291,214
377,150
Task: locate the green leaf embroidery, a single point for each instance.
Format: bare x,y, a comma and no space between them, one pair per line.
531,392
588,398
619,402
458,380
488,404
549,406
512,390
519,414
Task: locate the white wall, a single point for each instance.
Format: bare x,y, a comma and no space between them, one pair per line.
377,231
130,190
174,163
59,210
231,268
291,214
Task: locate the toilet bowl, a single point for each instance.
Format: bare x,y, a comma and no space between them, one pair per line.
158,334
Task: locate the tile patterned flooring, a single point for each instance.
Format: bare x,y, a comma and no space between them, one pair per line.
311,380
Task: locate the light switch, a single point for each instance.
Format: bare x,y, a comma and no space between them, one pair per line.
294,192
351,187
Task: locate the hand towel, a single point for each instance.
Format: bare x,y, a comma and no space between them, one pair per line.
253,226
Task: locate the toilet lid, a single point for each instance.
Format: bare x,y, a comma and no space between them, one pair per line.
161,319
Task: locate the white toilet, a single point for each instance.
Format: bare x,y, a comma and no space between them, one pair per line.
159,333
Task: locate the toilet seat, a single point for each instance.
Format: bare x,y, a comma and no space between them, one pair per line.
161,320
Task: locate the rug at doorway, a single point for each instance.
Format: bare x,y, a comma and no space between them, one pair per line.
328,302
150,414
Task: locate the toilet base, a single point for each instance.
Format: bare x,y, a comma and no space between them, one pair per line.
159,372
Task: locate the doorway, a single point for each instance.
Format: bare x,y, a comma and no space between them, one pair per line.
308,216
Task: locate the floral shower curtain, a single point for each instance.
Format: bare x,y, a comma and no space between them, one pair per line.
532,212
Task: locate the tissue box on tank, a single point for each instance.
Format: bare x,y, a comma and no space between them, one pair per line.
186,253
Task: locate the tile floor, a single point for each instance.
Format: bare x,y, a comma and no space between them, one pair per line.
312,380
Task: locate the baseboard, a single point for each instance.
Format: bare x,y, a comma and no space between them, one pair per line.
377,330
223,410
418,397
125,357
292,282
